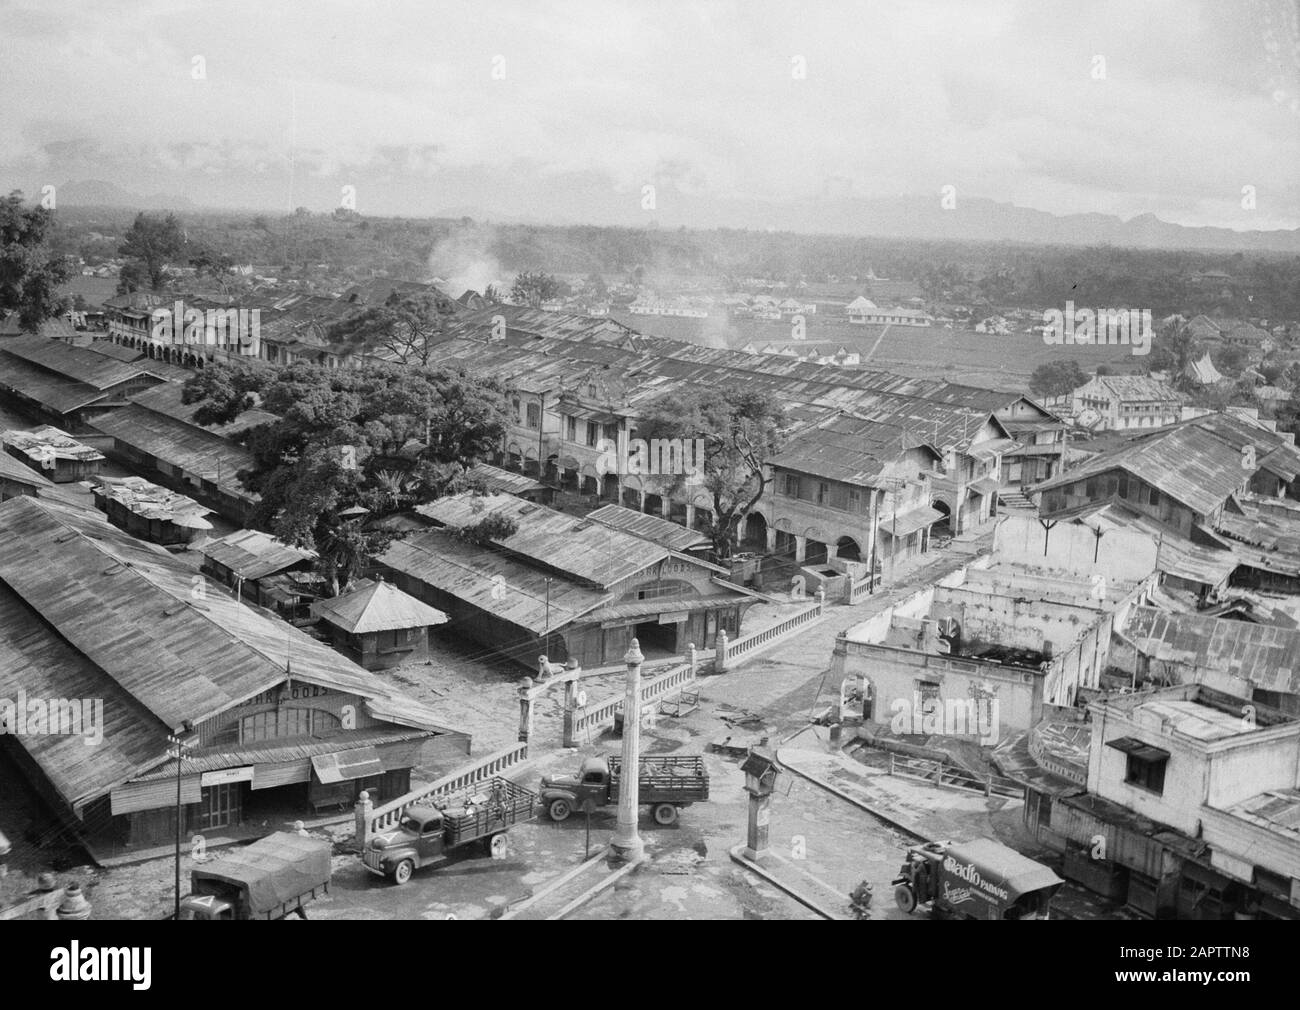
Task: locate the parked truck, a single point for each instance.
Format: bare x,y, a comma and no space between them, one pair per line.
667,783
983,879
428,833
270,879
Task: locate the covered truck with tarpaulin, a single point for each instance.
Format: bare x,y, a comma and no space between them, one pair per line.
269,879
981,879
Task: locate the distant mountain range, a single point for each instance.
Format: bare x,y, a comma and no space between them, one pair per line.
974,219
98,193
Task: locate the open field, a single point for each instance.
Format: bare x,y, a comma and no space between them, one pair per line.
960,355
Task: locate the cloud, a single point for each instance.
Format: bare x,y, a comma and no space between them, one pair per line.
411,103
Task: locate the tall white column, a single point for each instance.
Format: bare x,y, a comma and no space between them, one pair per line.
627,841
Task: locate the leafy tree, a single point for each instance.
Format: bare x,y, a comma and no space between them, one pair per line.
532,287
154,242
132,277
404,325
491,527
1172,350
30,271
596,285
492,294
1230,359
223,393
1288,414
379,436
1057,378
220,266
740,430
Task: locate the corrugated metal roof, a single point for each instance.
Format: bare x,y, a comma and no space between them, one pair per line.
493,582
584,550
153,502
660,531
252,554
377,606
849,449
36,661
911,521
1190,464
73,362
49,442
129,607
120,352
14,470
946,413
1267,656
215,759
505,481
192,449
1277,810
57,392
1136,388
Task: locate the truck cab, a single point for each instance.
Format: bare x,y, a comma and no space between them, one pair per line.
563,794
419,838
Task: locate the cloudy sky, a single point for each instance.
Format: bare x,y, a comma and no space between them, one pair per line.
566,111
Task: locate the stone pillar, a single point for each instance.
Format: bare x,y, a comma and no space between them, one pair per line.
641,498
665,506
526,710
691,658
626,841
800,549
362,812
690,517
771,540
821,597
720,653
760,816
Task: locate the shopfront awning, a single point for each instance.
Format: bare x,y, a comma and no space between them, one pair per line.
908,523
353,764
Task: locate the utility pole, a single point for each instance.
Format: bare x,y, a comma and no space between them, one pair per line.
178,749
875,536
546,636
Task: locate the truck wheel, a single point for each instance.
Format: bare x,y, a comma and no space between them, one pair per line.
497,846
560,810
665,814
905,898
402,871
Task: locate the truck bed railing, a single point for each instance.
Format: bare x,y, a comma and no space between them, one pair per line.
383,818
